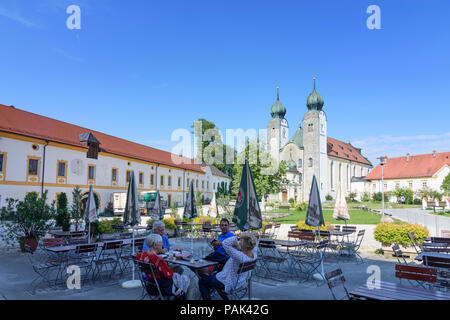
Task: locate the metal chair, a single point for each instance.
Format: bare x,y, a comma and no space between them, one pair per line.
276,230
43,271
84,257
415,242
150,285
416,275
334,279
127,254
268,254
399,254
109,256
239,291
309,263
267,231
352,248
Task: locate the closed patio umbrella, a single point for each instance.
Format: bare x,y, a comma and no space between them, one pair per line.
90,212
132,217
190,212
340,207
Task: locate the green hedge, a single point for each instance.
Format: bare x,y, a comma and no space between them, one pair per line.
105,226
390,233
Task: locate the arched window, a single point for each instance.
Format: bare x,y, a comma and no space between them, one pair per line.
348,177
354,171
310,162
300,163
300,177
340,172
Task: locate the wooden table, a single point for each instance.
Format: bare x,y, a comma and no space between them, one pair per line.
393,291
64,249
433,254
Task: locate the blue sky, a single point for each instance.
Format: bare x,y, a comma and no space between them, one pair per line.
140,69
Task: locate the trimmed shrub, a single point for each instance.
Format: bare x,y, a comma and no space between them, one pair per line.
390,233
303,225
169,222
105,226
302,206
365,197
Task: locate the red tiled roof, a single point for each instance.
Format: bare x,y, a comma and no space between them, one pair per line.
33,125
214,170
424,165
345,151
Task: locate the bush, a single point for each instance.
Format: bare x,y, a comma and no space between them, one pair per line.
301,206
328,197
303,225
378,196
390,233
109,210
407,193
365,197
417,201
62,213
203,220
105,226
169,222
352,196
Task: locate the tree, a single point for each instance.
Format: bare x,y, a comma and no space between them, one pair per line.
445,186
76,211
26,219
62,212
268,176
209,141
407,193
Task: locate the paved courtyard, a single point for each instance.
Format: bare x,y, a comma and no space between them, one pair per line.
16,274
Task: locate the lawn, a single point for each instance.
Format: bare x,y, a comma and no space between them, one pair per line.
356,217
379,205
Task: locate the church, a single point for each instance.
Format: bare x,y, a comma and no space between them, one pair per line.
311,152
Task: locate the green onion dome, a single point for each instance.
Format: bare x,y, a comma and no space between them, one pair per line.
314,100
278,110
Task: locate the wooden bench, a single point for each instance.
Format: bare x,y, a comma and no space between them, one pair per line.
415,273
284,206
432,204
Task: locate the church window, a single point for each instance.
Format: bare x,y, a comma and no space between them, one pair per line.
300,177
310,162
340,171
332,175
300,163
310,127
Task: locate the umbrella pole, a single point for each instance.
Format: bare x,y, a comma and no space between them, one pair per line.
192,242
89,233
133,253
321,258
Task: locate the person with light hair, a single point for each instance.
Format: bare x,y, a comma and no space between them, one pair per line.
160,228
228,279
169,281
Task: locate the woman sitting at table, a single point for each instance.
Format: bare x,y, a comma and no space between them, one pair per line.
170,282
229,279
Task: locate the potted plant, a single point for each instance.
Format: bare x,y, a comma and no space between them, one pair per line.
26,221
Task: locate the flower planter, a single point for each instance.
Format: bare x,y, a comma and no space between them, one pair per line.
32,242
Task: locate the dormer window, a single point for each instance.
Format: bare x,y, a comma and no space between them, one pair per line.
92,143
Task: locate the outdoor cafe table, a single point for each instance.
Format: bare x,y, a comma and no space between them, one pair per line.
63,233
433,254
393,291
67,248
194,266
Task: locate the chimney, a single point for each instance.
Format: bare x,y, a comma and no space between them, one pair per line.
407,157
434,153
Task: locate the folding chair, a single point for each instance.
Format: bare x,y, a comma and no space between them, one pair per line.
78,240
309,262
127,255
417,246
150,285
109,256
268,254
351,229
420,275
399,254
239,291
267,231
275,230
84,257
351,248
334,279
43,271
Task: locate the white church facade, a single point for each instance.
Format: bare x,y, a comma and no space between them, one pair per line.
311,152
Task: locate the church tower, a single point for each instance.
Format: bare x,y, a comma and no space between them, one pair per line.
315,144
277,129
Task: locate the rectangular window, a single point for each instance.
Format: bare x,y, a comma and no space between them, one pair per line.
424,184
179,182
410,185
128,175
114,175
169,181
203,184
1,162
196,183
91,174
207,185
188,182
33,166
152,179
162,180
61,169
141,177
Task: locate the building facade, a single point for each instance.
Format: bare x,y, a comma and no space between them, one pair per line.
310,152
38,153
426,171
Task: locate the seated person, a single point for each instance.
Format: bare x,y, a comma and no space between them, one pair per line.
219,254
228,279
160,228
170,282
